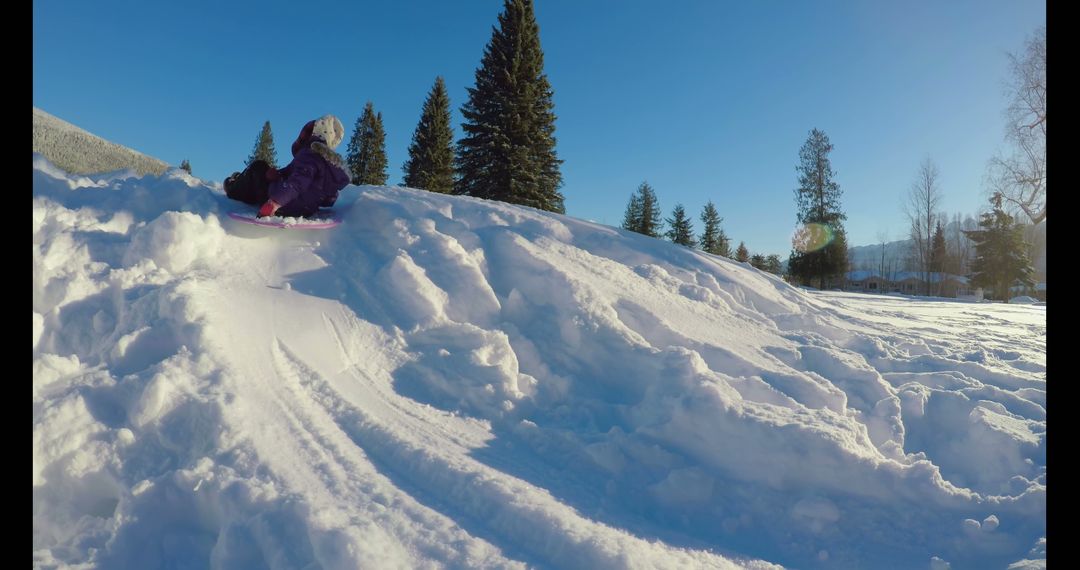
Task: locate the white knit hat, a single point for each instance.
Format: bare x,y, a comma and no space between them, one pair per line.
329,129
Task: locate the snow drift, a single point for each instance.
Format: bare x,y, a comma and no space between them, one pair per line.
76,150
449,382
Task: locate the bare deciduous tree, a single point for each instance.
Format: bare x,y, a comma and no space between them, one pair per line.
1020,177
922,211
959,243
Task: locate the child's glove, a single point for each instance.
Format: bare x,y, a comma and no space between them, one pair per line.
272,174
268,209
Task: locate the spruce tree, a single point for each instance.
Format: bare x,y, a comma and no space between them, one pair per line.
1000,253
507,152
938,251
264,147
837,261
713,239
773,265
681,232
758,260
742,254
649,220
431,155
632,217
938,255
820,247
367,149
185,165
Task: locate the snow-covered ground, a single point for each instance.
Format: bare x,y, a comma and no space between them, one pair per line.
77,150
449,382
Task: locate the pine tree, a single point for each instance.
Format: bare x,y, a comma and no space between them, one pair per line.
507,152
1000,253
632,217
821,246
185,165
682,231
367,149
773,265
742,254
758,260
830,263
938,255
713,239
431,155
938,251
837,259
649,221
264,147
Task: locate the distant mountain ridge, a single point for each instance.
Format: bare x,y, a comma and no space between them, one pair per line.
80,152
869,256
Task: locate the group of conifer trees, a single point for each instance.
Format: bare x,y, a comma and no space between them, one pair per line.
507,151
643,216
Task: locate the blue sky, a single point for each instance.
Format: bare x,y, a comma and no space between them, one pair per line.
706,100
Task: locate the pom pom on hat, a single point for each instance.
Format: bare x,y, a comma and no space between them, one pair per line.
329,129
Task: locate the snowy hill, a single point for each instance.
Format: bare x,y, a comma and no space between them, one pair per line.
449,382
78,151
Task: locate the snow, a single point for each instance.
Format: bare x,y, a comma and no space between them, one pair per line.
77,150
449,382
1022,299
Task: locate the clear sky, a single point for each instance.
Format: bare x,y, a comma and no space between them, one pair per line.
706,100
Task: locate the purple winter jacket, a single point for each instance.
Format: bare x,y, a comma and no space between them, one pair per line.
307,183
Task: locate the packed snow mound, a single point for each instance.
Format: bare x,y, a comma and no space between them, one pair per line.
443,381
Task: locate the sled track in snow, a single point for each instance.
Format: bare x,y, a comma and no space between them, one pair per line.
498,507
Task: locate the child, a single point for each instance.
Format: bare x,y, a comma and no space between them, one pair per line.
312,180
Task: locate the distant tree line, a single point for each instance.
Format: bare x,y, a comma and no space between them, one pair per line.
643,216
507,152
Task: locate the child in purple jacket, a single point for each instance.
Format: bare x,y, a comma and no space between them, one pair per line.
314,177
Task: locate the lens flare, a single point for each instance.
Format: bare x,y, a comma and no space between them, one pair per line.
812,237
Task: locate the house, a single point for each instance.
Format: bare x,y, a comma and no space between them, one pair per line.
865,282
908,283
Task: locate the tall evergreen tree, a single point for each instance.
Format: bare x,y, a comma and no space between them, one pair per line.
632,217
185,165
682,231
264,147
507,152
839,260
820,250
938,254
938,251
367,149
758,260
649,221
431,155
1000,253
713,239
742,254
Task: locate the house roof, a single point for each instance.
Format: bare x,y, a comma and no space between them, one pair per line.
898,276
